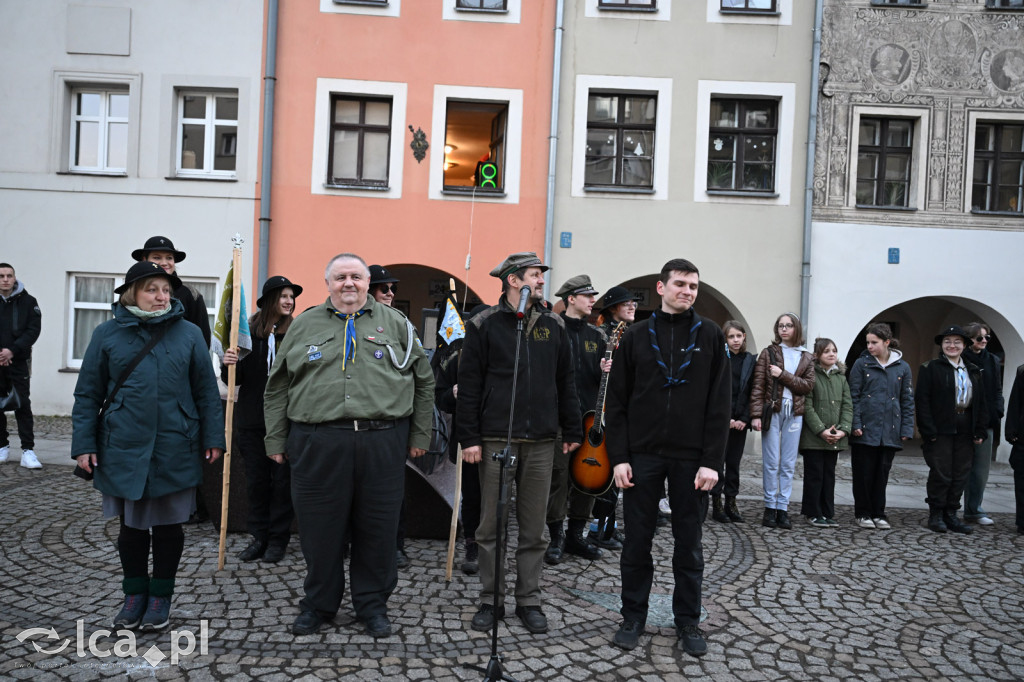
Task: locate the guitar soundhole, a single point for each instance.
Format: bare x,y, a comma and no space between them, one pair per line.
595,438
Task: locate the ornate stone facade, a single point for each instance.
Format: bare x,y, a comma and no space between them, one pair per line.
946,58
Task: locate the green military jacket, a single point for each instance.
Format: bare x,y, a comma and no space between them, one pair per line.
307,383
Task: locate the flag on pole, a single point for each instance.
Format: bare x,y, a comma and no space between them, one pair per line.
452,327
222,328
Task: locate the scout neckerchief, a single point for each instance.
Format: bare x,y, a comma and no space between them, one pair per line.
271,349
674,378
350,334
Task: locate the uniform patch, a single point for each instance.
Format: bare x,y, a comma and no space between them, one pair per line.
541,334
590,346
378,354
314,356
380,330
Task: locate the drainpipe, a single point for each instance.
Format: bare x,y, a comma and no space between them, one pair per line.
556,77
812,133
266,153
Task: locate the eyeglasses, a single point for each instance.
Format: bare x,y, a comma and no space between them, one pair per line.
982,337
787,325
629,304
385,288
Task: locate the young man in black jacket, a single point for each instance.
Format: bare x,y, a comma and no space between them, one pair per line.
668,408
1015,437
20,324
978,355
545,402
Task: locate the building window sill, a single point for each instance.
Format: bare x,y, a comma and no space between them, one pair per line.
619,190
736,193
108,174
471,191
368,188
213,178
998,214
872,207
753,12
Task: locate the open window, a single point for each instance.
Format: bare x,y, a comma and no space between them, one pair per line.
474,146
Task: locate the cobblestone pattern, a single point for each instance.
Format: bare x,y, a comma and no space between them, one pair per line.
801,605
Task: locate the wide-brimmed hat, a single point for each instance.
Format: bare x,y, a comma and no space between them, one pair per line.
518,261
614,296
380,275
142,270
273,284
158,244
576,286
952,330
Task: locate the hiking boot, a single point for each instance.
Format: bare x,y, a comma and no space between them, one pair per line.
553,554
955,524
471,564
935,522
768,520
628,635
782,520
401,560
533,619
576,544
483,621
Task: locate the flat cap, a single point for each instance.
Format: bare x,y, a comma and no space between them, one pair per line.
518,261
574,286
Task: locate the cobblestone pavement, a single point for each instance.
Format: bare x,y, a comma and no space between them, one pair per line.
808,604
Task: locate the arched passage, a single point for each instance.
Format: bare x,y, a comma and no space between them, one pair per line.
422,290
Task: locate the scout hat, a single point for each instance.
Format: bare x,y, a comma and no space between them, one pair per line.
574,286
518,261
380,275
142,270
952,330
158,244
273,284
614,296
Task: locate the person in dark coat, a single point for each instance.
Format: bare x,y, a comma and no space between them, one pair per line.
146,448
20,324
741,365
268,484
160,250
978,355
1015,437
952,417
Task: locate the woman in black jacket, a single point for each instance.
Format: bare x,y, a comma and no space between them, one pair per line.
991,369
952,418
1015,437
268,483
742,371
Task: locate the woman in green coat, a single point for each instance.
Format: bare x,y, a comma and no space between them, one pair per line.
828,416
146,448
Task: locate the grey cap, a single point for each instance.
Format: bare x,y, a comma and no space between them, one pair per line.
518,261
574,286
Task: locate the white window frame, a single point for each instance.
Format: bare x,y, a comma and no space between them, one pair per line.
393,8
103,120
783,15
62,102
398,92
918,158
662,87
785,95
513,141
510,15
973,118
210,122
662,13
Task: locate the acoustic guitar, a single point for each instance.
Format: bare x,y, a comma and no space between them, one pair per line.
590,469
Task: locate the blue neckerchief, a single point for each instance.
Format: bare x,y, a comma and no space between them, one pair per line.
674,378
350,335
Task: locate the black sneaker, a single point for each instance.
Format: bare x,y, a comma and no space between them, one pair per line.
782,520
768,520
628,635
401,560
483,621
691,641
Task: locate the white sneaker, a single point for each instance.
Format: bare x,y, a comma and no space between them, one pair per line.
5,452
663,506
865,523
881,524
29,460
984,521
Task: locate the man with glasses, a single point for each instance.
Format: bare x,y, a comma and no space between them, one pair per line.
978,355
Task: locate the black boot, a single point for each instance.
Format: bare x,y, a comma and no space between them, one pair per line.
606,535
472,564
955,524
717,510
935,522
731,511
556,547
768,520
576,544
256,549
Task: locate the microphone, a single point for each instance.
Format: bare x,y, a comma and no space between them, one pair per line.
524,298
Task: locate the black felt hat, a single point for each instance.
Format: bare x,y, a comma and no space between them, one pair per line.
142,270
380,275
614,296
273,284
952,330
158,244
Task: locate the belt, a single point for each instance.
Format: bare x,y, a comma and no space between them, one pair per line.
361,424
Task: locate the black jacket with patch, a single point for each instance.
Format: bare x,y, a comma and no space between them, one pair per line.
588,344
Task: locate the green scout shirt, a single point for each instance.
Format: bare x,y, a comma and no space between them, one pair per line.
307,383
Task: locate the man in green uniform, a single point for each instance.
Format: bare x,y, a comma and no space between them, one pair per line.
349,395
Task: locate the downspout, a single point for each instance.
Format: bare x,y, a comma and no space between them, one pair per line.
267,152
556,77
812,133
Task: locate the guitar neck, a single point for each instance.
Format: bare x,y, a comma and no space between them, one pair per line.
599,408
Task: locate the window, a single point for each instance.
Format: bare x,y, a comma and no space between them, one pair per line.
378,8
207,134
749,5
499,5
897,2
361,2
620,140
998,167
1004,4
884,153
99,131
627,4
360,141
91,296
474,145
741,145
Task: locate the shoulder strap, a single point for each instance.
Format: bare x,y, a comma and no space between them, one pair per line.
154,338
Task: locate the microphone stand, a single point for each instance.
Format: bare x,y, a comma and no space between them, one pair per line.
494,671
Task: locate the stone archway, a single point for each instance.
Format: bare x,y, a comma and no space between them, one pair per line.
422,289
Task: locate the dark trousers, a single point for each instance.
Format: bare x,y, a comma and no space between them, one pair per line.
729,481
133,549
871,466
18,374
949,460
348,485
470,500
1017,462
640,511
581,505
268,485
819,483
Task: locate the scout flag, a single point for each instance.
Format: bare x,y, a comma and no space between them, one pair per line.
452,327
222,328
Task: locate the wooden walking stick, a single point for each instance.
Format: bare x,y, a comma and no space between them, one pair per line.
236,304
458,486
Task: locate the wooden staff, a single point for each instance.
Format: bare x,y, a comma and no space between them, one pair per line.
236,302
458,484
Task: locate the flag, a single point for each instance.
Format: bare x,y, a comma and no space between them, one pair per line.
222,328
452,327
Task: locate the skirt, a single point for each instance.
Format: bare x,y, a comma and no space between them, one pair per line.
148,512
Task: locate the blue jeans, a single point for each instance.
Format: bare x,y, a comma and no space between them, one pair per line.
779,447
974,493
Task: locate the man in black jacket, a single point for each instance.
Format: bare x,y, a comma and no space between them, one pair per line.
668,418
20,323
978,355
1015,437
545,402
